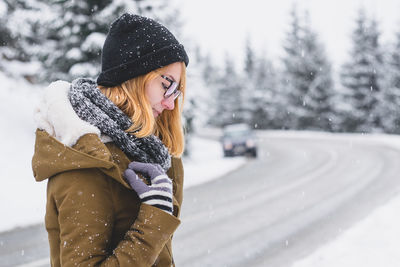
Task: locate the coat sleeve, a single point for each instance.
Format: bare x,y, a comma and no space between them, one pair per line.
176,173
85,215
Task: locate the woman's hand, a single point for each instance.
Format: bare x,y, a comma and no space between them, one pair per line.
159,192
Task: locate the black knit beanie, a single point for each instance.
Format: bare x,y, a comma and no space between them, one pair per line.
134,46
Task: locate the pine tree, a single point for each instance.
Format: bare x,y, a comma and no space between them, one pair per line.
206,84
249,58
378,77
209,71
292,62
20,35
307,78
390,111
69,37
6,41
247,105
268,109
317,76
199,98
228,99
362,78
5,35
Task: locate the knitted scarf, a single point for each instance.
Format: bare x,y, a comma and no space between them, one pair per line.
95,108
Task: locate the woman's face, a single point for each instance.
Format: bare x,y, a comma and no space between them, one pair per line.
155,90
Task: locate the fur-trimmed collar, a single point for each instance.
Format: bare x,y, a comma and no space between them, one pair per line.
55,115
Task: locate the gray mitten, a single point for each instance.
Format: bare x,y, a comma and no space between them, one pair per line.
159,192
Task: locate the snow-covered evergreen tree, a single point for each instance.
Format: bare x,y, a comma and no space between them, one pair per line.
247,106
5,36
318,100
249,60
67,36
258,94
249,96
307,77
199,96
206,84
20,34
228,101
292,64
77,36
268,111
362,78
390,110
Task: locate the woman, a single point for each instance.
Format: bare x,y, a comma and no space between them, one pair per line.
114,191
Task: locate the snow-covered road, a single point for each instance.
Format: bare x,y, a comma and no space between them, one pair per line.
300,194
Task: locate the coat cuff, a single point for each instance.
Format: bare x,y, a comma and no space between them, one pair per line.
153,227
150,217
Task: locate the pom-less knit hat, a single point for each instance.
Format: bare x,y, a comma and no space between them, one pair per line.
134,46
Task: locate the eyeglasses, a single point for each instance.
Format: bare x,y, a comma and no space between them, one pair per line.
171,89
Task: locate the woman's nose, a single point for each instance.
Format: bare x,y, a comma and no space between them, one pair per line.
168,103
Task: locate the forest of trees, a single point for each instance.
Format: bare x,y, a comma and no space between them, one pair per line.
48,40
303,95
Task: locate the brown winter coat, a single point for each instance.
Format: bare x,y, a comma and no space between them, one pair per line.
93,217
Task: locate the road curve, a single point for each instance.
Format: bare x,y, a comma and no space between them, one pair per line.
299,194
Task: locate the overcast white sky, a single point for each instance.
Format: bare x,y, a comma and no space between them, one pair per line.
220,26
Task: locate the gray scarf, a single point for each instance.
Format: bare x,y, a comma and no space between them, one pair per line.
95,108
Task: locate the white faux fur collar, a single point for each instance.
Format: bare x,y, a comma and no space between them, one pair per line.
55,115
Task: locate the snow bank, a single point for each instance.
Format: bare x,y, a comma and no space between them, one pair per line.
207,162
22,200
372,242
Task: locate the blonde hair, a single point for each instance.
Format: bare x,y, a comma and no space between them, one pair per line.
130,97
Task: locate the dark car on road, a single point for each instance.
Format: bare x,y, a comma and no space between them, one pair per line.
238,139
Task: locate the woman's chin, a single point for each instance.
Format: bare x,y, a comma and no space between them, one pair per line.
155,113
